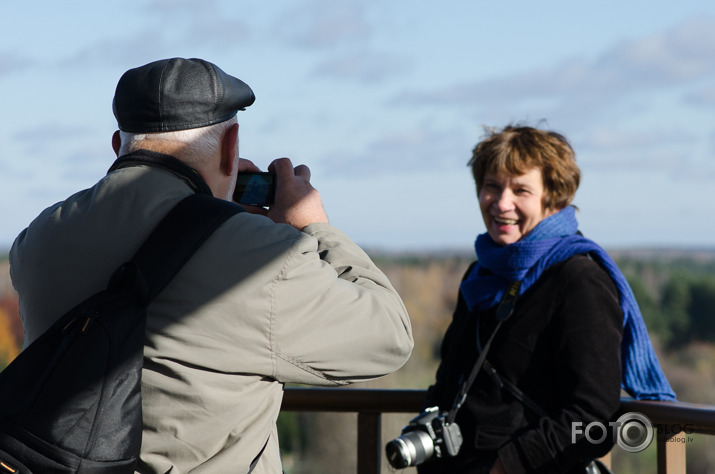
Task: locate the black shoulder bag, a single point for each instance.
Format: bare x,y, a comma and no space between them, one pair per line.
71,401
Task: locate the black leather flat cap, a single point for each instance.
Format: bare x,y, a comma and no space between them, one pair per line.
177,94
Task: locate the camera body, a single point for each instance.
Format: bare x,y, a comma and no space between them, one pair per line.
255,189
428,434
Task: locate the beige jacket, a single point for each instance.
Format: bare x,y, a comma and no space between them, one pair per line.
259,304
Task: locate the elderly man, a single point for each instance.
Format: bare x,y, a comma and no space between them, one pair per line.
274,296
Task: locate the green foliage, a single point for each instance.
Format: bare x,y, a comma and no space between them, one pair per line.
676,297
675,303
650,307
289,431
702,308
688,307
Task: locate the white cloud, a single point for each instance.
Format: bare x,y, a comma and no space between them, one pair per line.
194,26
11,62
406,152
703,97
323,24
131,49
605,139
43,140
645,152
366,67
678,56
51,132
175,8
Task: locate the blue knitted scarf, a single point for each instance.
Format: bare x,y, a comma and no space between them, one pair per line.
554,240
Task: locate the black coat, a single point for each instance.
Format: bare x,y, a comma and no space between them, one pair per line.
561,347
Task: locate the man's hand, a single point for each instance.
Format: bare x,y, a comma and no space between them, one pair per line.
297,202
247,166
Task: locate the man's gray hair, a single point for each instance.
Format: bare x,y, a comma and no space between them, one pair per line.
199,143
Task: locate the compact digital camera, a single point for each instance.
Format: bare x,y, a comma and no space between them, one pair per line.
428,434
255,189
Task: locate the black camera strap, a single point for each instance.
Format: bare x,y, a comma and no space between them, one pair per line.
504,310
513,389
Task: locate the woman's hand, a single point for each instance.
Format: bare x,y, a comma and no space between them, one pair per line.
497,468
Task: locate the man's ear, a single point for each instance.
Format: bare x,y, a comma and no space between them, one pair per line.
116,142
229,150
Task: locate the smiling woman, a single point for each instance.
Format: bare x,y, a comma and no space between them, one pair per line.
523,175
571,337
512,205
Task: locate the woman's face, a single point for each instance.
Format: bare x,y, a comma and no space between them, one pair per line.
512,205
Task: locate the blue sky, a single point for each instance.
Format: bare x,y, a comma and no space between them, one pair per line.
384,101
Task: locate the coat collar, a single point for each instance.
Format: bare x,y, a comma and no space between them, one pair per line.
160,160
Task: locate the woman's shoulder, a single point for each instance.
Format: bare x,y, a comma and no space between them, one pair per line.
582,271
577,264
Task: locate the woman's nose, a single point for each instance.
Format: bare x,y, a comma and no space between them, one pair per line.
504,201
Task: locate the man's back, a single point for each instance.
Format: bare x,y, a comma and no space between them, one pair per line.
259,303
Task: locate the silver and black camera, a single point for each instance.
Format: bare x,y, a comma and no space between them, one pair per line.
428,434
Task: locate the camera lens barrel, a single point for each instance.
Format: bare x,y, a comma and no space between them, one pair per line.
410,449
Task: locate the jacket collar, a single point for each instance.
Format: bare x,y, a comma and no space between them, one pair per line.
160,160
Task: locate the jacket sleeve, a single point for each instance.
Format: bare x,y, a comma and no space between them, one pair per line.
588,325
335,316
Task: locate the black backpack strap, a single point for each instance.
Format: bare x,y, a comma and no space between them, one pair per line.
160,160
172,243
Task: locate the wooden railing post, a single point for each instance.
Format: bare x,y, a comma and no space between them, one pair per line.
369,442
671,453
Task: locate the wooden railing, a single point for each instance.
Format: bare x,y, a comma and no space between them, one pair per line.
370,404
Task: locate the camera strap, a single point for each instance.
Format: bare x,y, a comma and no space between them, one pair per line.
504,310
513,389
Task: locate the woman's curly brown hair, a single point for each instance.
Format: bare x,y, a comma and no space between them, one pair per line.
516,149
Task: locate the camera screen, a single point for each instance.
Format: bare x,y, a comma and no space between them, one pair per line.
255,189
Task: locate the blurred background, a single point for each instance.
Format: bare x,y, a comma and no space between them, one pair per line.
384,101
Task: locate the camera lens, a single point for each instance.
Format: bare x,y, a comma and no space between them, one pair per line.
409,449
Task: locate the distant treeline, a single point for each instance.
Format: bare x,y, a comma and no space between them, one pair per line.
675,290
676,296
